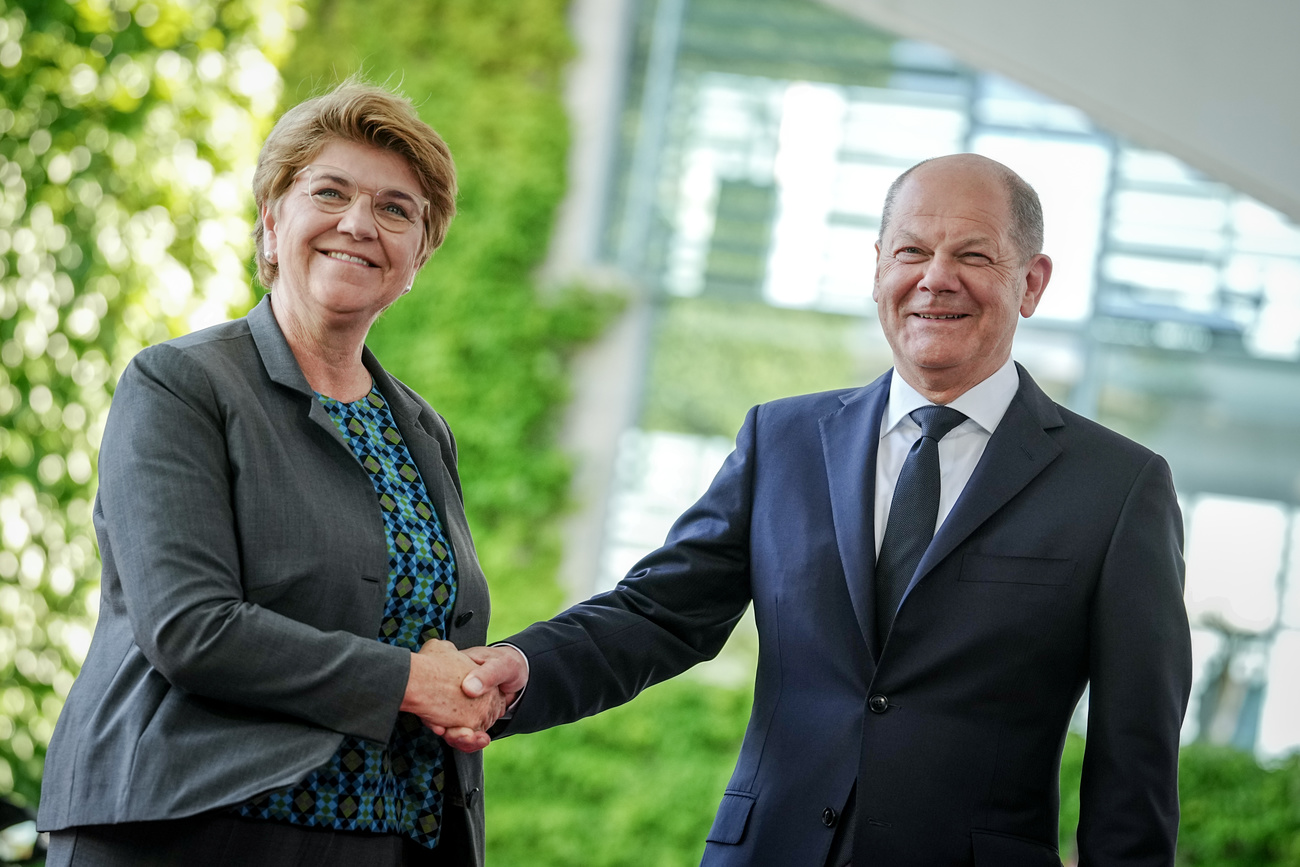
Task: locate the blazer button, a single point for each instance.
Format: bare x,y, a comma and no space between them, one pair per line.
462,619
829,817
878,703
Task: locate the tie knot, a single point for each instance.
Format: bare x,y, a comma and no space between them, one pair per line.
937,421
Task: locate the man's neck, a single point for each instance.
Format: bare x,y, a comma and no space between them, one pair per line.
984,403
943,387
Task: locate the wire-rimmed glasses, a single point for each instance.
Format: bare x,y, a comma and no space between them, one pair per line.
334,191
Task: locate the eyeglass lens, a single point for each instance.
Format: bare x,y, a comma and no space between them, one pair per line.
334,190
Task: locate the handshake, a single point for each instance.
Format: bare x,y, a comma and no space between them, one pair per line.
459,695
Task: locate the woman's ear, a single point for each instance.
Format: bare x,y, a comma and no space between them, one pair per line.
268,233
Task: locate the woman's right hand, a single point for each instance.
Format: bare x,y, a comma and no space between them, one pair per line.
434,694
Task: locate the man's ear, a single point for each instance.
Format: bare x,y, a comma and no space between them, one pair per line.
1036,277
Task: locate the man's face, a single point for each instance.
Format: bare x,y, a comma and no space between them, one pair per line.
950,282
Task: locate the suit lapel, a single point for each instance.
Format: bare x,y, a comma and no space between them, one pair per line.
1018,451
850,439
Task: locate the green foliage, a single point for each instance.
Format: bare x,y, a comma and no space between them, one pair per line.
636,785
713,360
1071,774
475,337
127,137
1236,813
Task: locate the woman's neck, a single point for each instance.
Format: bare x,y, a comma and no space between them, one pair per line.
330,357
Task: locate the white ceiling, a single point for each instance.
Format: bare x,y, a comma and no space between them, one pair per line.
1216,84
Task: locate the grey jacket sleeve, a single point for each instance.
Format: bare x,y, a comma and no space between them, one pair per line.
165,504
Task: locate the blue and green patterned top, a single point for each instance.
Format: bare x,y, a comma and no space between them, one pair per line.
367,786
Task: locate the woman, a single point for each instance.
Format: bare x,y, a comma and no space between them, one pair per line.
287,569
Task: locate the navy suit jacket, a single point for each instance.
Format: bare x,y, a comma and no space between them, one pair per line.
1059,566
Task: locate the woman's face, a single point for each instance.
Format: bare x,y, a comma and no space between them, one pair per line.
341,269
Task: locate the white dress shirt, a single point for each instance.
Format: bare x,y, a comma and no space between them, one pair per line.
959,451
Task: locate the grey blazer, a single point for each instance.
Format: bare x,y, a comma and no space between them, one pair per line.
244,572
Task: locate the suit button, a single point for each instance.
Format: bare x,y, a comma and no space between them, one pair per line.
878,703
462,619
829,817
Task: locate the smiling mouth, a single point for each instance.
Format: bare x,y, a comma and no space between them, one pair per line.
940,316
345,257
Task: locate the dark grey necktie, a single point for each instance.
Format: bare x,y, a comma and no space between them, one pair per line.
912,514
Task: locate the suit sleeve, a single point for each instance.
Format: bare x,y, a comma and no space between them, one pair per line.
165,508
675,608
1140,680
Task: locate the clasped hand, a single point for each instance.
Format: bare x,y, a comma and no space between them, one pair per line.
460,695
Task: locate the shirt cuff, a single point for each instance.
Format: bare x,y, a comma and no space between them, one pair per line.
510,709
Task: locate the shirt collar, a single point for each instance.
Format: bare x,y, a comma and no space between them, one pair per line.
984,403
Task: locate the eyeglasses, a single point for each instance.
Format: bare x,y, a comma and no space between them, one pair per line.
333,191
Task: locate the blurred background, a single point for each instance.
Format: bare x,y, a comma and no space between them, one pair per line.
667,215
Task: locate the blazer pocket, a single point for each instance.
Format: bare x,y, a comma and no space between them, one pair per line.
992,849
1016,570
733,816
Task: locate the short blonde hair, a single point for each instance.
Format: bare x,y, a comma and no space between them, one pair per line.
354,111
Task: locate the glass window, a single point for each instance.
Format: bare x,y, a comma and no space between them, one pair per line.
1234,562
1279,729
1070,177
1180,222
1005,103
1173,313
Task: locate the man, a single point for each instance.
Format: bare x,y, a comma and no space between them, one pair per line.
905,712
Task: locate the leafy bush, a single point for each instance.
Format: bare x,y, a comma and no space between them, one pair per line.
476,338
635,785
1236,813
127,139
714,359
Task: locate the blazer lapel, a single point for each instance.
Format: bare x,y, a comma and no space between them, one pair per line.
429,456
1018,451
850,439
276,355
425,451
282,367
